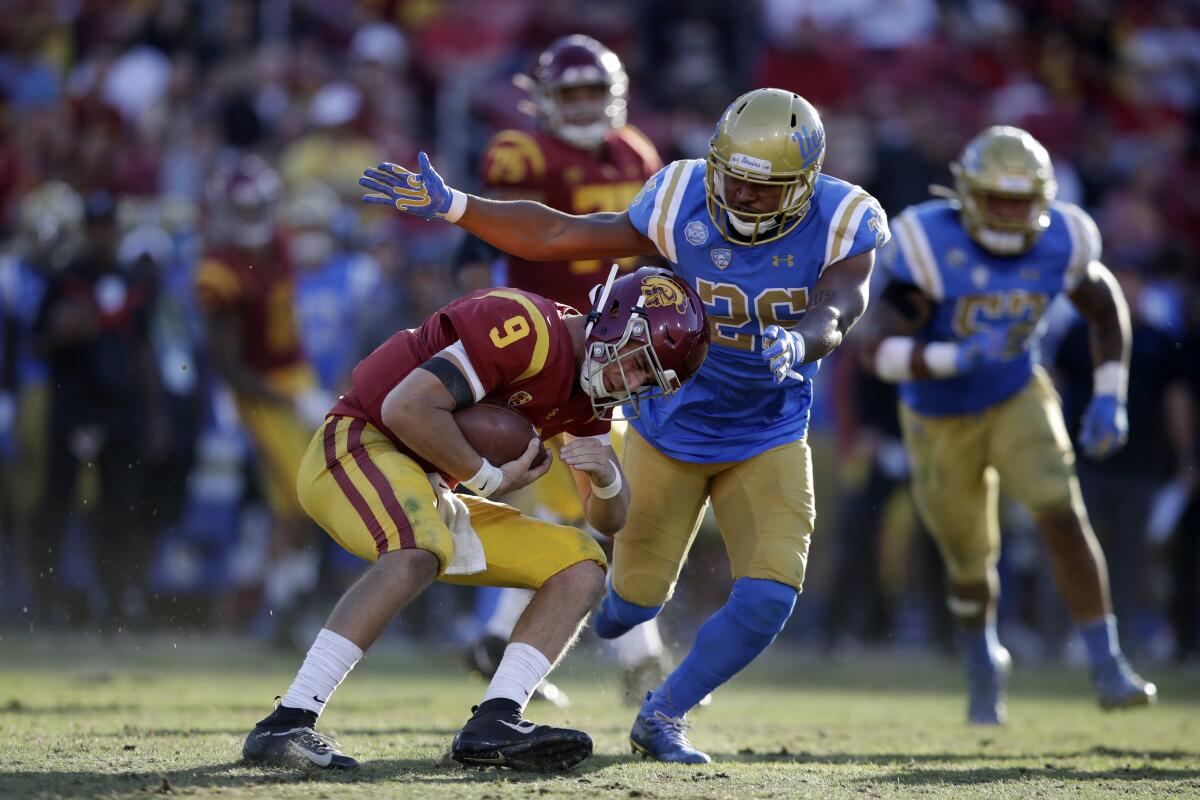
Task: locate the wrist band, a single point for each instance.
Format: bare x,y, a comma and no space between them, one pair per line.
458,204
940,358
613,489
1111,378
486,481
893,359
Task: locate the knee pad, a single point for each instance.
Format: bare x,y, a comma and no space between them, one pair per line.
761,606
617,615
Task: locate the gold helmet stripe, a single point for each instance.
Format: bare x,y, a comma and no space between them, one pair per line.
914,244
666,208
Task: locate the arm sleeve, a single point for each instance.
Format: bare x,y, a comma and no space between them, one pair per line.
504,338
654,209
858,224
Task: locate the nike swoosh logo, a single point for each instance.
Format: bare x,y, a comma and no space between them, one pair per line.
319,700
524,727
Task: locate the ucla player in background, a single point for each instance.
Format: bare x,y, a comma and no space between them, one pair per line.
781,255
971,276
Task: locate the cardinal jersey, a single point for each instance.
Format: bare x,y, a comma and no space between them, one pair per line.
512,346
261,294
976,290
570,180
733,409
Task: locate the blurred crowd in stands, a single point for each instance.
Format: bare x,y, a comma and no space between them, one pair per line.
114,115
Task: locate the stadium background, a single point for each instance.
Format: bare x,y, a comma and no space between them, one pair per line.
141,101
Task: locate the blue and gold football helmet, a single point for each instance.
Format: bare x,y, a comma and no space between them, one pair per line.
770,137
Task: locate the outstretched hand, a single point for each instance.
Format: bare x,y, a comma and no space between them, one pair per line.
423,194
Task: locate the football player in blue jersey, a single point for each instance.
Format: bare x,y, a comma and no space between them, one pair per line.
970,277
781,254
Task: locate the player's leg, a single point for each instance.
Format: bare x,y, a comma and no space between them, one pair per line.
766,512
664,515
565,569
378,504
955,494
1031,449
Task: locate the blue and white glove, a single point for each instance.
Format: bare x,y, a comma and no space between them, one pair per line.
983,349
1105,426
423,194
783,350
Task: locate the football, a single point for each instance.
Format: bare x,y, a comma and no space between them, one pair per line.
498,433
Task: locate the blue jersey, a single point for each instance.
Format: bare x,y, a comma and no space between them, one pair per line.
974,290
331,303
733,409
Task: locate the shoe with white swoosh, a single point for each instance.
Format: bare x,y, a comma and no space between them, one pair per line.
294,745
503,738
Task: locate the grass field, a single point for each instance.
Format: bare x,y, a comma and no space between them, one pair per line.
86,719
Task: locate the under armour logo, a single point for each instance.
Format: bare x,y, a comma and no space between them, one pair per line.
785,261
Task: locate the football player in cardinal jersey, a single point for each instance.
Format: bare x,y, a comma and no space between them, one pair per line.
582,157
377,478
781,256
245,287
971,276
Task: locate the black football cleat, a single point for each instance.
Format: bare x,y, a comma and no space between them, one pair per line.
497,735
287,738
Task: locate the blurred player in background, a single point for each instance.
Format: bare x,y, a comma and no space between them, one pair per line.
108,414
49,233
246,287
781,256
378,476
583,157
970,279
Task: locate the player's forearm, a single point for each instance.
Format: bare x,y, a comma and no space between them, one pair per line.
607,515
536,232
432,434
827,322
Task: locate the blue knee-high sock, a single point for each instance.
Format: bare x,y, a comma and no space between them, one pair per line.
1100,639
616,615
729,640
978,646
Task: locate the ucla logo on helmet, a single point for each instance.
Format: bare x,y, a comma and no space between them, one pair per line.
696,232
663,292
722,257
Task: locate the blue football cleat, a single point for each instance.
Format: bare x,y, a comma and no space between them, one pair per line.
1118,686
987,689
663,738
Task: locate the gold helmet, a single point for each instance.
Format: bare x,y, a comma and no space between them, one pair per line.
50,224
769,137
1009,164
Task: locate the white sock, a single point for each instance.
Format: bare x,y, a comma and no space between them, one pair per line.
521,670
509,609
327,664
638,644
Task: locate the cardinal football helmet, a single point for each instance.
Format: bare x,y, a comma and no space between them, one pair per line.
573,61
1006,163
662,316
769,137
243,198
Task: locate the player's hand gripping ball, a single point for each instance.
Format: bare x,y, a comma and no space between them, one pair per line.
498,433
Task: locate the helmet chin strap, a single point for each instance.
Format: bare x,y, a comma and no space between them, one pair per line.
593,316
740,225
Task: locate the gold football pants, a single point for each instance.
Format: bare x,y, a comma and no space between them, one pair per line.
959,463
764,507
